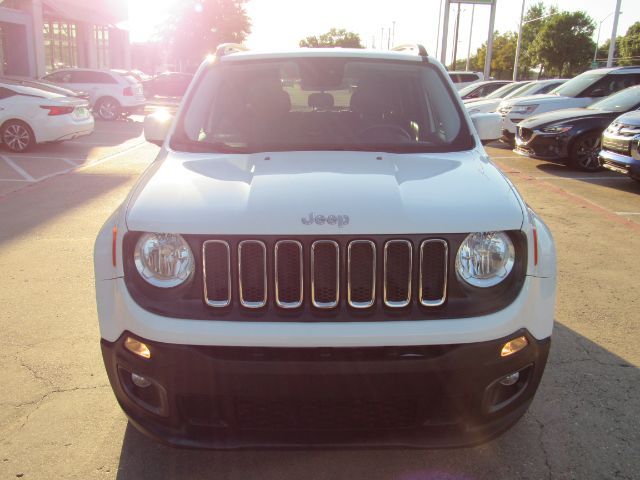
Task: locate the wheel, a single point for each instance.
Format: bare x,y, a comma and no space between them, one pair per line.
107,108
17,136
583,154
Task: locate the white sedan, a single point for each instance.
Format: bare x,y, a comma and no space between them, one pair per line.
31,115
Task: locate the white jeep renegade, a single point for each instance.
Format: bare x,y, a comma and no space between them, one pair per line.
323,254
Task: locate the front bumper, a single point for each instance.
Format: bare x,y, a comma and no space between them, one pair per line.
620,163
245,397
542,146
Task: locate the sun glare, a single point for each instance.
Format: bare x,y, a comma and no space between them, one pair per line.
145,16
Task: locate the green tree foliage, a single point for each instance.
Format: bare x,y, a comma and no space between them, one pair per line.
528,59
504,52
196,27
630,46
564,45
333,38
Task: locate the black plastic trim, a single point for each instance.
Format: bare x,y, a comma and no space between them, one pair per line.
445,384
187,301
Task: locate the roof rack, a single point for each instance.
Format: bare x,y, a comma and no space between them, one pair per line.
229,48
411,47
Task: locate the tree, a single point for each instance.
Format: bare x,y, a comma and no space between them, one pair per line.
196,27
503,57
630,46
564,45
528,59
333,38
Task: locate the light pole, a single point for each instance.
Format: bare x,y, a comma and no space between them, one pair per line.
595,52
473,11
439,18
515,63
614,32
517,60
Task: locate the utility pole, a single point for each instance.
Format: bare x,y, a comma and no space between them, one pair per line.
595,52
438,38
473,11
487,60
455,39
393,34
614,34
445,32
389,38
517,60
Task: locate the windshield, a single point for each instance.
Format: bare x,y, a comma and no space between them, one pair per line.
470,88
623,101
577,85
522,90
504,91
321,104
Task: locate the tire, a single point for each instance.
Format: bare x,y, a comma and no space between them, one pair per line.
17,136
107,108
583,154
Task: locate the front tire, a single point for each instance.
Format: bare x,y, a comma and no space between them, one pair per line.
583,154
107,108
17,136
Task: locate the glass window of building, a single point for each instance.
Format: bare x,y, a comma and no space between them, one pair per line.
102,44
60,45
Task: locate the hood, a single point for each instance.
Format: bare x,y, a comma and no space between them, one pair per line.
630,118
541,98
282,193
564,116
484,106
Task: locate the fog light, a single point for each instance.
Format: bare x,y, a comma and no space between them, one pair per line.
514,346
138,348
143,382
507,381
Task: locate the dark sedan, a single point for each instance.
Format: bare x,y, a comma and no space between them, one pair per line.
167,85
572,136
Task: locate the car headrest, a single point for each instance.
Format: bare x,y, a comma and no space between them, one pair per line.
321,101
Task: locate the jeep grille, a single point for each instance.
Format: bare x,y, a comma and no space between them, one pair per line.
334,272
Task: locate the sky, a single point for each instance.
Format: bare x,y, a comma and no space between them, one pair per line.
281,24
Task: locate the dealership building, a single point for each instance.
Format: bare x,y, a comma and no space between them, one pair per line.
39,36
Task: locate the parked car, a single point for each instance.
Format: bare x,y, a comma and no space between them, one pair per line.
580,91
111,94
462,79
139,75
327,263
518,89
46,86
573,135
167,85
31,115
481,89
621,145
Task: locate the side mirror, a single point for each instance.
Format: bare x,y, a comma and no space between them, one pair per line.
156,127
488,126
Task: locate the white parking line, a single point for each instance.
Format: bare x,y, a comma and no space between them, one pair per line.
627,213
70,162
17,168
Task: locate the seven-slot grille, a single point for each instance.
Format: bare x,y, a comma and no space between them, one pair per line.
258,274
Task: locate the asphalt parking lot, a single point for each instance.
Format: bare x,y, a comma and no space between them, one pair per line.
59,418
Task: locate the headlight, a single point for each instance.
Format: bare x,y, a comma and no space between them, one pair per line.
523,108
557,128
164,259
635,148
485,259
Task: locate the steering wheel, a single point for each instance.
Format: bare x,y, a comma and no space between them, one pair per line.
383,133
